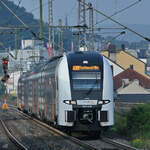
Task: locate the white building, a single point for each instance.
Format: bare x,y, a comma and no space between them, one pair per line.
24,57
32,52
21,60
13,82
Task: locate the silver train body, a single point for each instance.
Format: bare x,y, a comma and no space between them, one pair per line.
74,91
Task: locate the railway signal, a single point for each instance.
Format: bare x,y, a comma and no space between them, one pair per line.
5,64
5,69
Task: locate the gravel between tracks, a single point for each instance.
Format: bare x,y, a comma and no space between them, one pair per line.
34,136
5,143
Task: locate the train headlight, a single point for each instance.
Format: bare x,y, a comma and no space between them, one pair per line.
70,102
103,102
66,101
100,102
73,102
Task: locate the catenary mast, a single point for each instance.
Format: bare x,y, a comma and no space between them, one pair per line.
91,28
82,22
50,22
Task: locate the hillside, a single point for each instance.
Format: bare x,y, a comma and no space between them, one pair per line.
7,37
7,19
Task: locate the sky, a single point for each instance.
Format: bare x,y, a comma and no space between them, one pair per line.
138,14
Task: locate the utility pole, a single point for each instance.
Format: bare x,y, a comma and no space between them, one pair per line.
66,21
33,52
60,36
41,21
41,29
50,21
16,44
91,28
82,22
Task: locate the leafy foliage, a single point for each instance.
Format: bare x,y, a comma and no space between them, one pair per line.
138,120
137,143
135,125
121,124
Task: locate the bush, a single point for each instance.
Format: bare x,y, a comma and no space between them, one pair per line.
138,143
135,125
121,124
138,120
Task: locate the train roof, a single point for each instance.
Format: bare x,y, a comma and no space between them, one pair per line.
93,58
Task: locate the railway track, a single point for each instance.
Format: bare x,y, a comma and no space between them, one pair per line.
119,145
100,144
75,140
12,138
109,144
81,145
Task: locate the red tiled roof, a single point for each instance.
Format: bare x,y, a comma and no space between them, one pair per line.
131,75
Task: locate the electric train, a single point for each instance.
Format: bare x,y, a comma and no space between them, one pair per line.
73,92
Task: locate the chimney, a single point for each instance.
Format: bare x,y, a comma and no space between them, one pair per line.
123,47
112,52
131,66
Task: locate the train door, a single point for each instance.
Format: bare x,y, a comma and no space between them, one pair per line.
30,96
34,108
20,99
53,98
45,97
41,97
26,95
37,97
33,96
48,99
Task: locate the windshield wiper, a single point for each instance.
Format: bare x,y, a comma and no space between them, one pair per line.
91,89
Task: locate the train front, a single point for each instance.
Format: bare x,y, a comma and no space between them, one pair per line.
90,102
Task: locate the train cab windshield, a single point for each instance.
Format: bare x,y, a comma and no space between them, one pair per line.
86,83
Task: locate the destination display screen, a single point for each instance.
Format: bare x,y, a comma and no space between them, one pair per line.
77,68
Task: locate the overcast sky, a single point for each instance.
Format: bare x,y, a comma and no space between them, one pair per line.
138,14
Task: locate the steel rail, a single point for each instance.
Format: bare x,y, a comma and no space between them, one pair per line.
118,144
12,138
75,140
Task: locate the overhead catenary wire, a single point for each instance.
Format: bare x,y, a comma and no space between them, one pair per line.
109,32
20,20
9,21
10,32
26,26
131,5
117,22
